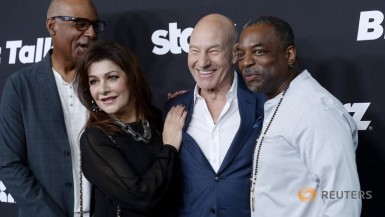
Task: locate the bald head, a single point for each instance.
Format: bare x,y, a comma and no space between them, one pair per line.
61,7
217,23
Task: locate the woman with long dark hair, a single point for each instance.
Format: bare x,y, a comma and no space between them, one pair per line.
124,155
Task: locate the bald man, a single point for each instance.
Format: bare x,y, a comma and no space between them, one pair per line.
221,127
41,118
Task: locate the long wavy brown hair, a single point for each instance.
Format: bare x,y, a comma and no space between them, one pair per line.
140,91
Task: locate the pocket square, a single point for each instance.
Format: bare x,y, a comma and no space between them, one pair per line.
258,122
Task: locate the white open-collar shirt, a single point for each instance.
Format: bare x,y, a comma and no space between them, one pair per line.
214,139
310,143
75,117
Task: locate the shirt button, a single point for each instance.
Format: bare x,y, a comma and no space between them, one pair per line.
68,185
212,210
218,178
66,153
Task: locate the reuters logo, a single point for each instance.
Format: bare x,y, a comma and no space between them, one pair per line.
306,194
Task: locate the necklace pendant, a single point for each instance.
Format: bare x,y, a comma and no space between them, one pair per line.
252,202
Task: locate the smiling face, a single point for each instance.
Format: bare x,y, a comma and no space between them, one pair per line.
70,43
263,60
109,88
211,54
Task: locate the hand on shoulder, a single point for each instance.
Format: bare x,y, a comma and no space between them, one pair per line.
173,125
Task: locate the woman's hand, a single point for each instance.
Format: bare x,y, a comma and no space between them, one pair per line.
172,129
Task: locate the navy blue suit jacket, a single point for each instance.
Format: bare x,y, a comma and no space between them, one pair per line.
35,158
225,193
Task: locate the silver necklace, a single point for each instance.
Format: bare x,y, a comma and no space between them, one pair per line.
253,178
135,135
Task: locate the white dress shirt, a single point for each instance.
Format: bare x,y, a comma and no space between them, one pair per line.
310,143
75,117
214,139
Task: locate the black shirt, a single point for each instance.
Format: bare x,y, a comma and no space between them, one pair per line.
134,175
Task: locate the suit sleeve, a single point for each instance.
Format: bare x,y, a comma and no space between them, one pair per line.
14,169
105,166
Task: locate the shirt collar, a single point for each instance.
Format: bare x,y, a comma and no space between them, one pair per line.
300,77
59,78
293,84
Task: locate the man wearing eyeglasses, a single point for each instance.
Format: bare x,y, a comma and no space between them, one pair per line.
41,119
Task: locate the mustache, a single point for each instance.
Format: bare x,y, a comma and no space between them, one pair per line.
250,71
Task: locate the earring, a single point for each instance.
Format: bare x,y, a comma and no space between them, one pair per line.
95,107
290,63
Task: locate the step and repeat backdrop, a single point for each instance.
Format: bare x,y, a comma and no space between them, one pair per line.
342,44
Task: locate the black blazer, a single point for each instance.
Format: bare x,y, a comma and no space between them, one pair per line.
35,157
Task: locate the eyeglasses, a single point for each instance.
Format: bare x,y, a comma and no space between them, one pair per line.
82,24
